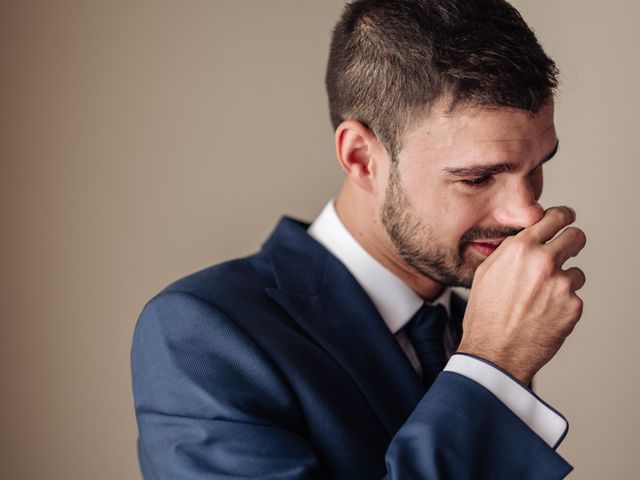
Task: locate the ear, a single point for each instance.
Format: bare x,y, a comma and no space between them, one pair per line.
358,151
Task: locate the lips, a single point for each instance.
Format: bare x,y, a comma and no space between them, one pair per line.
486,247
493,243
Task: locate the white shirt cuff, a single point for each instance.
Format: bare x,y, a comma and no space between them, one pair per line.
546,422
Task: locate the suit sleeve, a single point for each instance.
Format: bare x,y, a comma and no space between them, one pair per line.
460,430
210,404
543,419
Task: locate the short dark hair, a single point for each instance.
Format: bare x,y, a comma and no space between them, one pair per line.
391,60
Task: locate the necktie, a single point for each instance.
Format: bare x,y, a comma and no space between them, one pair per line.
426,333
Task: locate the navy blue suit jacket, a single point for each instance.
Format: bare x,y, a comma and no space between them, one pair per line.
279,366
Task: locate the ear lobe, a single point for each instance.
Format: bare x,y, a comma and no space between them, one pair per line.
354,147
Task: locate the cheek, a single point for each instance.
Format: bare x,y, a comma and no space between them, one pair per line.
425,196
455,218
446,212
467,211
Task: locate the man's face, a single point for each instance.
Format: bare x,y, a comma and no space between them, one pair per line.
462,183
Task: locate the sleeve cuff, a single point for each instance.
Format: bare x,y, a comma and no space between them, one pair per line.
543,419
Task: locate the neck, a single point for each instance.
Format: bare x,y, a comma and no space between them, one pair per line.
362,220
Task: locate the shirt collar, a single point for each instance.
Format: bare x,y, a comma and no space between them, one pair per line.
393,298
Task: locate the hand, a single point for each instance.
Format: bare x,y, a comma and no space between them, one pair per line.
522,304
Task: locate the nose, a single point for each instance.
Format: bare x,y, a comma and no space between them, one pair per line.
519,207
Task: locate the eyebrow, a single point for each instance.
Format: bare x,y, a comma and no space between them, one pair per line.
489,170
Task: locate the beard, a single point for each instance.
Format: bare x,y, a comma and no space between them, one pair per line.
417,244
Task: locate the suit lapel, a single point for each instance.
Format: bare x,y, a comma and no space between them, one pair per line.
320,294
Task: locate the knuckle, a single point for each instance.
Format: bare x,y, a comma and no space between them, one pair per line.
573,313
543,262
577,305
564,284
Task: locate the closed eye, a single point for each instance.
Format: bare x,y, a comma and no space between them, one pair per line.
478,181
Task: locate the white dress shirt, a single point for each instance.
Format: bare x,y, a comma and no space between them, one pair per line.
397,303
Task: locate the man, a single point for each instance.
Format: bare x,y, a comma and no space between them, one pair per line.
322,356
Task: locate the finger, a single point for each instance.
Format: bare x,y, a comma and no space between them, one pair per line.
568,244
577,277
554,220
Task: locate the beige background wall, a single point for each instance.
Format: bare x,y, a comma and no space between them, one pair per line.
141,141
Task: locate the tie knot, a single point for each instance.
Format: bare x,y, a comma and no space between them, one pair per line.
428,321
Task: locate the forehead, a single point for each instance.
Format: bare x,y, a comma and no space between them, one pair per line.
473,134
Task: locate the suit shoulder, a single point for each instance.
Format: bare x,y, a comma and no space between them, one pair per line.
242,277
201,299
